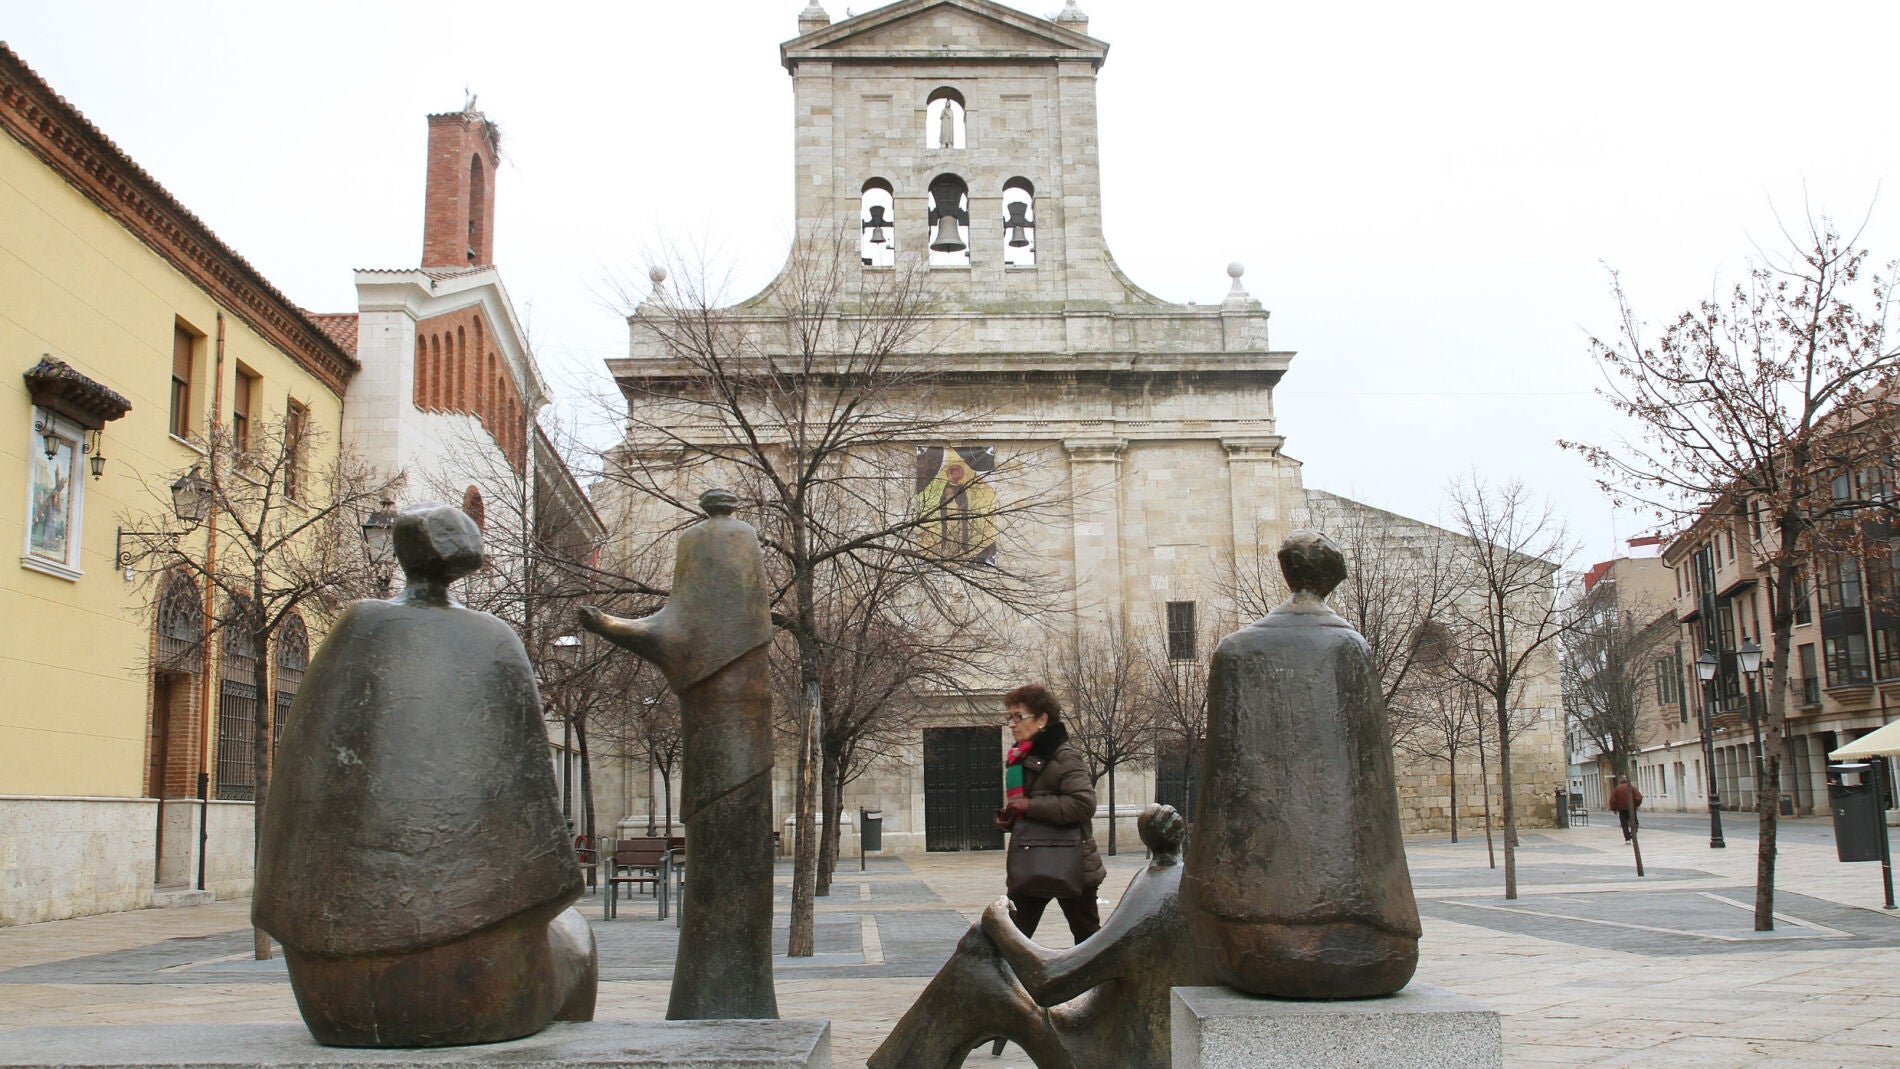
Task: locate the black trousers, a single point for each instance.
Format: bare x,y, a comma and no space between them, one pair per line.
1628,817
1082,912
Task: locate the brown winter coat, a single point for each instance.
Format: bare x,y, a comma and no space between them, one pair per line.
1059,790
1625,798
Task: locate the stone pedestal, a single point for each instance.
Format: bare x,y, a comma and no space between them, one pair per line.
587,1045
1421,1027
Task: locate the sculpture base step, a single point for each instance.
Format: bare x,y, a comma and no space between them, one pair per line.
1421,1027
585,1045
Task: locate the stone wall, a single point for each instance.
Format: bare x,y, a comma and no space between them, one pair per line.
70,857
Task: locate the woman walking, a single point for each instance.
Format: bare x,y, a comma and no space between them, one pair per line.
1051,801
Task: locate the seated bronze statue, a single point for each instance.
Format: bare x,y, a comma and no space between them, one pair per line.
1107,998
413,859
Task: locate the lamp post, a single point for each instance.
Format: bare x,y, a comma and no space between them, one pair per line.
379,542
567,654
1705,666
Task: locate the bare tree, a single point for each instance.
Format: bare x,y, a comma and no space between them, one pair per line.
816,403
1101,674
1509,619
284,537
1177,691
1442,719
1608,668
1775,400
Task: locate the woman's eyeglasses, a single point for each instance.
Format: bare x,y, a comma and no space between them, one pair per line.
1017,718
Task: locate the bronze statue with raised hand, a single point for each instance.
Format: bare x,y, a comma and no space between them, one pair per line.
414,862
1106,998
710,642
1296,884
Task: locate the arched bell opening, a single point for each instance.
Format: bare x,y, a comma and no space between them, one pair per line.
949,222
877,228
1019,223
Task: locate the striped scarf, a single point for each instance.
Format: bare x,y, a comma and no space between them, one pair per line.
1013,770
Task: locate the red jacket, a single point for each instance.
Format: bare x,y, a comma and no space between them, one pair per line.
1625,797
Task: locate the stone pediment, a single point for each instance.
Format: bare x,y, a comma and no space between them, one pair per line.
934,29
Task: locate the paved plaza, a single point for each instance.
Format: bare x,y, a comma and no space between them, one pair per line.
1589,965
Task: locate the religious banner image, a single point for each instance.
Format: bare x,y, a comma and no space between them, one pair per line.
49,525
957,501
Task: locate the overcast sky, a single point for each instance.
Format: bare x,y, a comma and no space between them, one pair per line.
1424,195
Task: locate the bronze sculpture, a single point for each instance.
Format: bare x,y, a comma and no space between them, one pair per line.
413,861
1296,884
710,641
1107,998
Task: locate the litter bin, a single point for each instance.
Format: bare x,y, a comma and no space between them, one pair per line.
1855,800
870,832
1787,804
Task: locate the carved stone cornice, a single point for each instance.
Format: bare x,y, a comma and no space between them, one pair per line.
1253,447
78,152
1097,450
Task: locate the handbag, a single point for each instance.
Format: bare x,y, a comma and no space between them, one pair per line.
1045,860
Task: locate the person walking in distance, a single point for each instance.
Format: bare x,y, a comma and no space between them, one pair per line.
1623,802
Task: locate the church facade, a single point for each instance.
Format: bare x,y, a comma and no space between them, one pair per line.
957,139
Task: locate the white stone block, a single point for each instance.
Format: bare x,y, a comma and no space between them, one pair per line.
1421,1027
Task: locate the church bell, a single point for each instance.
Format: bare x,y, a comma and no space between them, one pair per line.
949,236
1018,224
877,224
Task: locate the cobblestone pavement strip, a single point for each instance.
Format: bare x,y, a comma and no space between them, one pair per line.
1590,965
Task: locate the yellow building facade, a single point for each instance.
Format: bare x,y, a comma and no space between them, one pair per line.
126,330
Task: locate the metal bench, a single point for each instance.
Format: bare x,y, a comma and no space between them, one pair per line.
637,863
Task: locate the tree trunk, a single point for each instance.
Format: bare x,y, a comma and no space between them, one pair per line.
1111,811
804,841
1504,791
1768,814
831,796
1452,764
666,793
587,783
262,712
1484,789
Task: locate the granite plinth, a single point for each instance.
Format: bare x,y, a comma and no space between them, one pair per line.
1421,1027
596,1044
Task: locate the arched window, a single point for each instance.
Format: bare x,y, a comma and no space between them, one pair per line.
435,371
477,204
421,392
943,119
949,222
1019,223
473,505
181,626
454,398
293,656
466,407
877,238
237,704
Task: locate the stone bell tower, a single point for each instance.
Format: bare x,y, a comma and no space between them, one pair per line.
961,135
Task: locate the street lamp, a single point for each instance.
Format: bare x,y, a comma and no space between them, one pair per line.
379,541
1705,666
1750,658
191,503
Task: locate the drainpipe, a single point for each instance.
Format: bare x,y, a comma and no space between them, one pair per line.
208,686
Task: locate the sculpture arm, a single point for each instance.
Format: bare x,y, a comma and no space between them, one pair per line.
1053,977
645,637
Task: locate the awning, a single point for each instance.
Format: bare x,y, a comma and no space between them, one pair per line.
1878,743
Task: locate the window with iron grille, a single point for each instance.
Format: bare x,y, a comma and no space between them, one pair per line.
237,711
1810,678
1181,631
181,627
293,656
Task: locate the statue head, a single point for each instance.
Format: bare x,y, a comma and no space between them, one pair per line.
718,501
1311,563
436,545
1163,830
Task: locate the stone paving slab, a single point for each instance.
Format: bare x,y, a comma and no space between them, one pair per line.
1572,991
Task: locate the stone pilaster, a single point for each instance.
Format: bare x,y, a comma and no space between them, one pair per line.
1095,466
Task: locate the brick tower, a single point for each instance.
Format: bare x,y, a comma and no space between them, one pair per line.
458,218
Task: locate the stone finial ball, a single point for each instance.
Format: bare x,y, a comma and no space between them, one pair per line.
1311,563
437,542
1236,269
718,501
656,274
